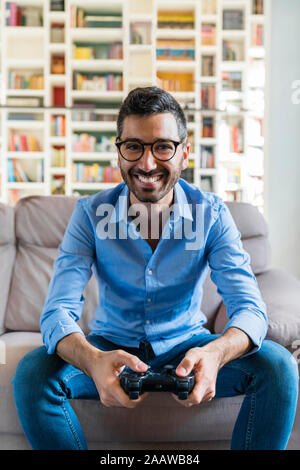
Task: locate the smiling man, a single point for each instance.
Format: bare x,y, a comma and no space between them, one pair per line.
150,285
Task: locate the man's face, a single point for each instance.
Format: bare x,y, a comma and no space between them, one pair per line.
164,174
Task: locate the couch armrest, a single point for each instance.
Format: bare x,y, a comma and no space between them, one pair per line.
281,293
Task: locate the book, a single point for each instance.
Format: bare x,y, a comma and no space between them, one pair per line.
59,96
257,7
20,102
208,127
208,34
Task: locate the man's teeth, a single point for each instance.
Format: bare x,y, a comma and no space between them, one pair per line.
148,179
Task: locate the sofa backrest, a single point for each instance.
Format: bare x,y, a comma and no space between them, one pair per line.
40,223
7,256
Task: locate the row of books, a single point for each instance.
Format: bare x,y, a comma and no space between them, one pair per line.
16,15
258,7
79,18
208,34
233,50
91,143
57,5
206,183
208,127
208,96
23,143
58,126
231,81
58,156
188,173
25,81
207,159
234,196
17,173
208,66
174,82
58,184
175,19
231,137
257,35
95,173
234,176
92,115
175,50
98,51
97,82
233,19
140,32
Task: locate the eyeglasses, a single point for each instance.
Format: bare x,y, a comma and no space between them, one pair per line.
133,149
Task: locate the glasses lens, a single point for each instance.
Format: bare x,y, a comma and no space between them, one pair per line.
131,150
164,149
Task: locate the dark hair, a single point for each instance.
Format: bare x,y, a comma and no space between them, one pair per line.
151,100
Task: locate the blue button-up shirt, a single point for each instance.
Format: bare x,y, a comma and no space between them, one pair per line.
145,295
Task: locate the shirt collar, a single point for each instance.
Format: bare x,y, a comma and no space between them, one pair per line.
180,204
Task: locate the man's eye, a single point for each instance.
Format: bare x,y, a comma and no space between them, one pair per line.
133,147
163,147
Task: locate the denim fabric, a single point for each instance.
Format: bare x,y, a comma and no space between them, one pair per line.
44,383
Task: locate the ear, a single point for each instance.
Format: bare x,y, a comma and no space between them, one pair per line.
186,152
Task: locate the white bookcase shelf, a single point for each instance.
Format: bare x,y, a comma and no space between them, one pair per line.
220,86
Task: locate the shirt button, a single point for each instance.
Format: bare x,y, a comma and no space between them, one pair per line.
148,322
148,300
150,272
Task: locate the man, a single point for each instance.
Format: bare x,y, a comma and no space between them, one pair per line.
150,269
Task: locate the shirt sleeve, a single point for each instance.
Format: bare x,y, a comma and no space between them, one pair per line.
71,271
235,281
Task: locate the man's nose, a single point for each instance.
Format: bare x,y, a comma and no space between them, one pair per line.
147,162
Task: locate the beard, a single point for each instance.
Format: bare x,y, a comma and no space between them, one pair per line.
151,195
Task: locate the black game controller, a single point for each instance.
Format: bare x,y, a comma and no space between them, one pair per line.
160,380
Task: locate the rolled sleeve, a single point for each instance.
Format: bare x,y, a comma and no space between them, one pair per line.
71,271
235,281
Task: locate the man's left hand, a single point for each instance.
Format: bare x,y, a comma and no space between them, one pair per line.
205,365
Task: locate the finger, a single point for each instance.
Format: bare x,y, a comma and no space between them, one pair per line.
188,362
187,403
129,360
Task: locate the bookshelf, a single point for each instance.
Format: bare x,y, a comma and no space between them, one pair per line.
65,68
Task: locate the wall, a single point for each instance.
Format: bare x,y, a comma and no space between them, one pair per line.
282,133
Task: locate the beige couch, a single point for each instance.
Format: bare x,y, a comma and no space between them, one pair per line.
29,237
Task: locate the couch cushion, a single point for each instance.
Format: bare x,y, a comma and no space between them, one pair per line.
281,293
7,255
17,344
254,234
40,225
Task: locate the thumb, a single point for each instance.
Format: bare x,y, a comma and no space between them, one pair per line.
186,365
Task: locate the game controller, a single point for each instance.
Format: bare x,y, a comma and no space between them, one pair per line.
160,380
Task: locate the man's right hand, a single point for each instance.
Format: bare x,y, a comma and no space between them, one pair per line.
102,366
105,371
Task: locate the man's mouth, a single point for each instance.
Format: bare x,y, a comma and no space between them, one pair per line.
148,181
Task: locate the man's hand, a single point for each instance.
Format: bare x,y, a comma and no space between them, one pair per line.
205,365
105,371
102,366
206,361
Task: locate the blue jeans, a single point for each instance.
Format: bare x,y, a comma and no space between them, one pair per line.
268,378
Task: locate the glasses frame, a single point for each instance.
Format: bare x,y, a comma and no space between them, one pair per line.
151,144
